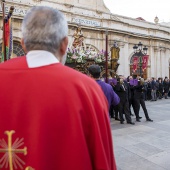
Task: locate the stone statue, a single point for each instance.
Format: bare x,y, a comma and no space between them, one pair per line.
115,52
114,57
78,38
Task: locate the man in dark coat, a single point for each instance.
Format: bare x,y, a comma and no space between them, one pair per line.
166,87
160,88
139,100
123,107
153,89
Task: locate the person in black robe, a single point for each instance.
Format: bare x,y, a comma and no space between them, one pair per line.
123,106
139,100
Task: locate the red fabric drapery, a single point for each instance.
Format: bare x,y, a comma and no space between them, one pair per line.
135,63
144,62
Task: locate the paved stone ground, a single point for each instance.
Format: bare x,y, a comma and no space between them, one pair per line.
145,145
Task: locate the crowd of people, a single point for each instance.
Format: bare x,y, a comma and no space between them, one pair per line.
122,95
133,92
156,88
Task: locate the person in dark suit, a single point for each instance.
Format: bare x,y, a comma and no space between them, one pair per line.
160,88
123,106
149,97
153,89
166,87
139,100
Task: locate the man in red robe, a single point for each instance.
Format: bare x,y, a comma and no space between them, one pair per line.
51,116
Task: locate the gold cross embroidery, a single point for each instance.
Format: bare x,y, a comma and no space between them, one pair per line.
10,157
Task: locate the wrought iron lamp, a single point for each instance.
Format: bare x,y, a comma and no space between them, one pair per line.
138,48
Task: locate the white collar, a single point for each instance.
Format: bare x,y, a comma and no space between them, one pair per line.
38,58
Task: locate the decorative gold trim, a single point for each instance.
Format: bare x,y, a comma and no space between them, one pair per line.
10,151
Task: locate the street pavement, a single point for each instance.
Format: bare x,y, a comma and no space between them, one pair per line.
145,145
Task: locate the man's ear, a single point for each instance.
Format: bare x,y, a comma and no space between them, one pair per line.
63,46
23,45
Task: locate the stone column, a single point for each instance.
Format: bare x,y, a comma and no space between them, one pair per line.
163,63
122,58
167,61
151,70
126,60
157,62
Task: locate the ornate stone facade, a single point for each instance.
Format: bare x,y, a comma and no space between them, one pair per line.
95,19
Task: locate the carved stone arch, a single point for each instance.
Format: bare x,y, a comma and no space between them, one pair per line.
92,47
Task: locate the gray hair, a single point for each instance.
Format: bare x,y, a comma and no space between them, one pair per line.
44,28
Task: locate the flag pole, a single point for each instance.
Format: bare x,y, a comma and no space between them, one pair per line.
9,38
4,38
106,55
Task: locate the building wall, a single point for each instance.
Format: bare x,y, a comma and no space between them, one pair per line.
95,19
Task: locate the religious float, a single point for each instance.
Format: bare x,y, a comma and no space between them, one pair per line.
80,56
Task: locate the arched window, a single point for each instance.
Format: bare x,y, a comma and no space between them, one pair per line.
17,49
91,47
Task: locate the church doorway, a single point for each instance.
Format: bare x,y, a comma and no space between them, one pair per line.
139,70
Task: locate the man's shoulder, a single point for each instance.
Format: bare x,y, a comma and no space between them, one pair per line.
104,83
108,86
14,63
